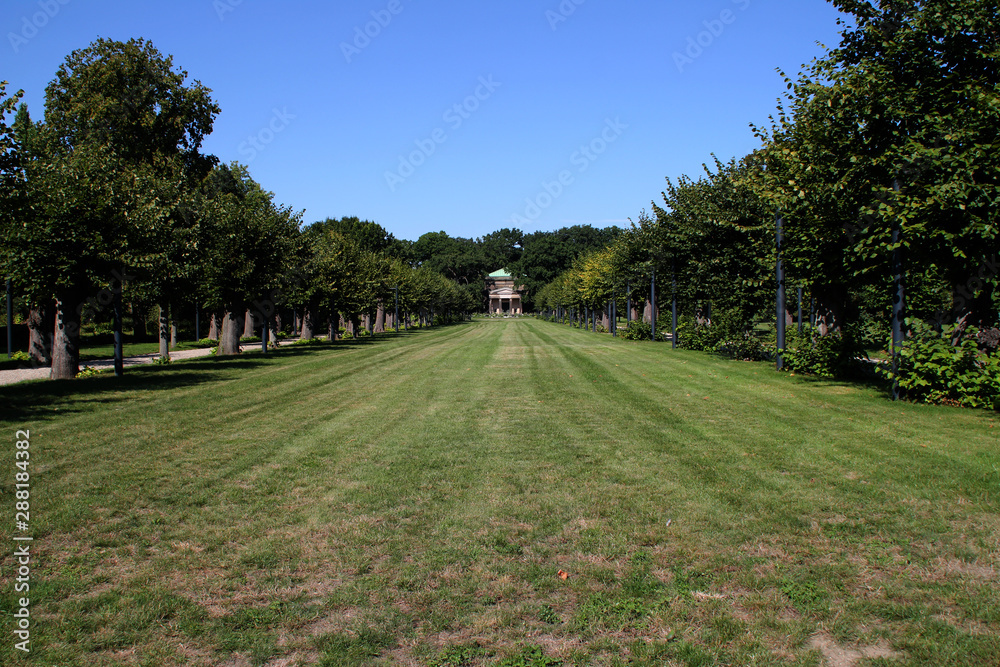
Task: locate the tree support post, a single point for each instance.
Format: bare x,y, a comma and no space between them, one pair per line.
119,344
628,303
673,304
614,314
10,320
898,300
780,271
264,335
800,310
652,302
395,319
197,323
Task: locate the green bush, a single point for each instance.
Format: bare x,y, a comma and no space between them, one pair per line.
637,330
745,347
91,372
690,336
933,370
834,355
729,334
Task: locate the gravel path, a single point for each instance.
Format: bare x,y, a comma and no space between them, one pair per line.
23,374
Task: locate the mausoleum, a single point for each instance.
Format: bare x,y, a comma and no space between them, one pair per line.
505,297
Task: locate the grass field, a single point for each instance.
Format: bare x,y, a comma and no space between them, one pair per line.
411,500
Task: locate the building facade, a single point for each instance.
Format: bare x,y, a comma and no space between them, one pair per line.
505,296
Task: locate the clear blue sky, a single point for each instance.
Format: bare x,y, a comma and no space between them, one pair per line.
330,122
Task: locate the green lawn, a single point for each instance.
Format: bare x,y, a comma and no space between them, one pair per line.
410,501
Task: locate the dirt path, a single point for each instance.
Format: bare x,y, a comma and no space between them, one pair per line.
24,374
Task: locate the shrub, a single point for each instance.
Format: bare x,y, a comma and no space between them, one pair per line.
833,355
745,347
691,336
91,372
933,370
637,330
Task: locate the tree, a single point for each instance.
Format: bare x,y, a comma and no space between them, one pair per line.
246,243
894,133
112,165
547,254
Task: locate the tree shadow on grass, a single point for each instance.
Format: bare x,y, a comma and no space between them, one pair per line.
52,399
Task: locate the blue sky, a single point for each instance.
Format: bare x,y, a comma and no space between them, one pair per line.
465,117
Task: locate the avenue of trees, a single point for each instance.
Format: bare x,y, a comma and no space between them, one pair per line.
884,169
110,209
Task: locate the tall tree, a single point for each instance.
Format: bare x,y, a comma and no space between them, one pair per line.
246,242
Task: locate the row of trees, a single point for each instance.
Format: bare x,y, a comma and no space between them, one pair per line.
883,166
110,200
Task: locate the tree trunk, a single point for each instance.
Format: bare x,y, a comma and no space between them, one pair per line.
702,316
380,318
66,340
334,326
249,325
973,301
232,327
214,324
164,328
355,325
307,329
173,335
41,327
273,324
829,309
140,332
647,312
605,320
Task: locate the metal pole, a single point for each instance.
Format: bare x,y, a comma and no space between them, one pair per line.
119,345
614,314
395,319
673,306
898,299
263,336
780,270
197,323
652,303
10,320
800,310
628,303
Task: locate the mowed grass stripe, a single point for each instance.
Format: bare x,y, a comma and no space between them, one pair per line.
409,500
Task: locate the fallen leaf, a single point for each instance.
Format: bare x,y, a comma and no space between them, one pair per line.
563,574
